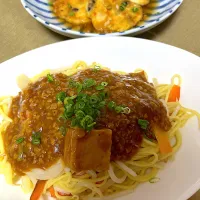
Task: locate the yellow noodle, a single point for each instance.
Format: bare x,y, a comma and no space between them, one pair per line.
140,168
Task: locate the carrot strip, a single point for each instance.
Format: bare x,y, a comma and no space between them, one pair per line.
37,192
52,191
174,94
163,140
64,194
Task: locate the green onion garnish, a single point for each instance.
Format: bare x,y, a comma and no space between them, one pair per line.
123,6
96,68
94,99
119,109
126,110
36,138
104,83
100,87
50,78
69,6
36,141
135,9
143,123
79,87
71,13
111,105
88,83
61,96
19,140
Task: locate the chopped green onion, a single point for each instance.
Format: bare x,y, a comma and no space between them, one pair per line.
101,104
79,87
50,78
80,114
69,6
143,123
135,9
79,105
36,141
154,180
119,109
71,13
88,83
61,96
123,6
96,68
94,99
103,95
104,83
111,105
87,123
63,130
100,87
36,138
69,108
126,110
19,140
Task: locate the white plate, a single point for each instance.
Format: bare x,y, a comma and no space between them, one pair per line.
180,178
41,10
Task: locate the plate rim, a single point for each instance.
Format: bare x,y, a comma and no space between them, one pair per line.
99,38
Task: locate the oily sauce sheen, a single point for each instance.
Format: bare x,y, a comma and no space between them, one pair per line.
37,110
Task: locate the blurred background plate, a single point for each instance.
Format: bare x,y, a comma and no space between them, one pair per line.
156,12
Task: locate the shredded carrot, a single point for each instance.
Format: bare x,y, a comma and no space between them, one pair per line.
52,191
174,94
37,192
163,140
99,182
64,194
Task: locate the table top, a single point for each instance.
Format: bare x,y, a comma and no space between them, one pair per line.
20,33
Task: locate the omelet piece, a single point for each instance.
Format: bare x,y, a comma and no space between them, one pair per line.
73,11
115,15
141,2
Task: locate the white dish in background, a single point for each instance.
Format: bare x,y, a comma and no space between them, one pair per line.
180,178
41,10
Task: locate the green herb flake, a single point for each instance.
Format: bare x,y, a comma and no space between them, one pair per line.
94,99
61,96
111,105
88,83
119,109
71,13
19,140
126,110
69,6
36,138
104,83
143,123
50,78
79,87
135,9
96,68
123,6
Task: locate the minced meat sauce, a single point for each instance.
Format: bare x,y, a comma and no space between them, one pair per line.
36,110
